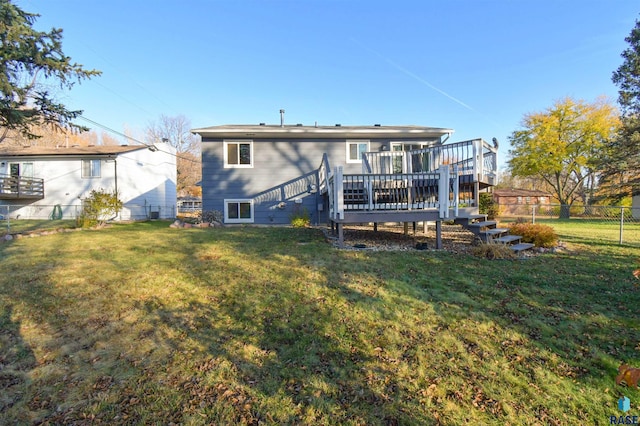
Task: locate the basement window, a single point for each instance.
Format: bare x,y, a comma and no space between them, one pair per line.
238,211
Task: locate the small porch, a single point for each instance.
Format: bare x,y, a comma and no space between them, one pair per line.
430,184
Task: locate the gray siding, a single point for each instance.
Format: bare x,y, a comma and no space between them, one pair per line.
283,172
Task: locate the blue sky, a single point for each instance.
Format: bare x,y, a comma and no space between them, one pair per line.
476,66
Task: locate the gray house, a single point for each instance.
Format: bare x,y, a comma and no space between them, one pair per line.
264,174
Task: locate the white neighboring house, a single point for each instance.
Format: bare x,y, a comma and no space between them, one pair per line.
44,182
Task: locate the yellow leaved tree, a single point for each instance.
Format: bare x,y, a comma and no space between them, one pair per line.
562,145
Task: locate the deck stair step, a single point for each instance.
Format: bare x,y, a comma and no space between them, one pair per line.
487,231
484,224
520,247
466,220
494,231
508,239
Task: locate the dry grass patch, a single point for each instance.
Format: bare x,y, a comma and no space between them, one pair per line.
140,324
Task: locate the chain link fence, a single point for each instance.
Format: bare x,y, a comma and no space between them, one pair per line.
14,212
613,224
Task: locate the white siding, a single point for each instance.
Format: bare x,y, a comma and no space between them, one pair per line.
146,182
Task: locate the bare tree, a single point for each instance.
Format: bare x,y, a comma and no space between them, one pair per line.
176,132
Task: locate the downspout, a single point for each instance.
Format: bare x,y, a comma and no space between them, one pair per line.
115,174
446,138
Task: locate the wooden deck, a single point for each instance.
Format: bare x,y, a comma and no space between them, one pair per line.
430,184
21,188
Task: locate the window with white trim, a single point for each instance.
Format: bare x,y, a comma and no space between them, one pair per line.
90,168
355,149
238,153
238,211
419,162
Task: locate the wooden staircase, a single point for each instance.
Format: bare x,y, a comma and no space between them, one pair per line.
488,232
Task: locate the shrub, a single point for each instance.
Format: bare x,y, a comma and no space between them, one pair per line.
300,217
99,207
539,235
211,216
493,251
488,206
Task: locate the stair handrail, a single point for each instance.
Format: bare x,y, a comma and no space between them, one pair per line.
324,172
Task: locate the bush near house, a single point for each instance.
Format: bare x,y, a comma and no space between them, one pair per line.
300,217
539,235
100,206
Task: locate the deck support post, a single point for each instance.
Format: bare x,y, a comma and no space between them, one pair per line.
340,235
406,228
438,234
375,226
476,194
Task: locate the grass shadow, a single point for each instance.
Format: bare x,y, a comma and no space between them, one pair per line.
272,325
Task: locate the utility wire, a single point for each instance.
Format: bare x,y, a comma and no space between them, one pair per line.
109,129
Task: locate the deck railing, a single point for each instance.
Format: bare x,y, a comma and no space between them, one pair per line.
19,187
325,180
443,177
475,158
402,191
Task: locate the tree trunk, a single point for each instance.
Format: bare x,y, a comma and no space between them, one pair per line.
565,211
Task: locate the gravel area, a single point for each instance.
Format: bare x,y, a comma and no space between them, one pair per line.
392,238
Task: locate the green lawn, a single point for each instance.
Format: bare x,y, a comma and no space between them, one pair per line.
598,231
13,226
143,324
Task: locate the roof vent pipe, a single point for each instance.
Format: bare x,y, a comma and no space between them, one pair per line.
281,118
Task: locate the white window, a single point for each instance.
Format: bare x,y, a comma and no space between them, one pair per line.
90,168
27,170
238,211
21,170
238,153
355,149
419,162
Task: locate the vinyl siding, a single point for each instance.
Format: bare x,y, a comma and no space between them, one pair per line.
283,170
145,180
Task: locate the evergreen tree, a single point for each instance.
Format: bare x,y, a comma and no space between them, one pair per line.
27,56
621,164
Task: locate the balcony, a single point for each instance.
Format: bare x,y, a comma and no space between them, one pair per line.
21,188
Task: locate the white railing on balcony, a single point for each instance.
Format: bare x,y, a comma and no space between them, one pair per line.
443,177
369,192
475,158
